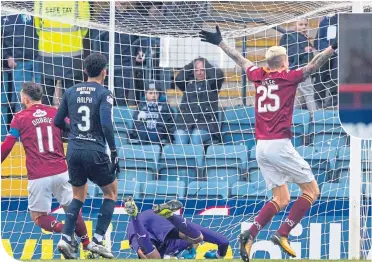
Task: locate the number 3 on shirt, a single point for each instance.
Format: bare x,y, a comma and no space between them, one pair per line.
85,111
267,96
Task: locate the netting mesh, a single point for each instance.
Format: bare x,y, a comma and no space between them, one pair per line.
214,172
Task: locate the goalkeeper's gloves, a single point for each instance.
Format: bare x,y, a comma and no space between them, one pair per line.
189,253
211,254
115,169
214,38
334,45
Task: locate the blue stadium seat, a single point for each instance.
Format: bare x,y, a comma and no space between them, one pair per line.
238,126
181,162
164,189
330,140
121,140
208,189
319,160
129,188
256,186
123,119
340,164
367,186
326,121
138,160
300,126
252,164
339,190
93,190
226,162
251,189
294,190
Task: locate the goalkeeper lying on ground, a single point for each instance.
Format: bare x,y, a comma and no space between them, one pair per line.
159,233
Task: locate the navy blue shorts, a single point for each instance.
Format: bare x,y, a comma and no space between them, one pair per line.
92,165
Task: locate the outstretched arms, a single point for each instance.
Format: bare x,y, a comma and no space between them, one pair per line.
215,38
319,60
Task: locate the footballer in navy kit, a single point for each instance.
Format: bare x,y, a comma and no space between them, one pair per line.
88,105
159,233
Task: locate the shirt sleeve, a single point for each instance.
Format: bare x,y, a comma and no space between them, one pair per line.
134,244
11,138
296,76
106,119
59,120
252,73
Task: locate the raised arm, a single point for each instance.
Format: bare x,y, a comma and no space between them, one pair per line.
319,60
215,38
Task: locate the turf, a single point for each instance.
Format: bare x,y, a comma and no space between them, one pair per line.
195,260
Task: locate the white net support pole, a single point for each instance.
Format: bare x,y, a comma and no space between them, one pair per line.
355,182
355,197
112,47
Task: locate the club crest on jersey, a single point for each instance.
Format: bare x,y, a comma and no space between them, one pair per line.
110,100
39,113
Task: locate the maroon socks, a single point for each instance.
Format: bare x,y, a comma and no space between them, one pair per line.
269,210
297,212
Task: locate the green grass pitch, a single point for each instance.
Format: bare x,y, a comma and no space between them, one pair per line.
195,260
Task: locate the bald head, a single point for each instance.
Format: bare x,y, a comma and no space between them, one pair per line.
276,58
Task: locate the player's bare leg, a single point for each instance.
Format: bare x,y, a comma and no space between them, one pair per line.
269,210
110,193
281,196
297,212
65,245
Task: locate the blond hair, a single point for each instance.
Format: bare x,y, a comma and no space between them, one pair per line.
274,56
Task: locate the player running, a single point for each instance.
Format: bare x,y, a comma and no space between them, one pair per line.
45,161
279,162
159,233
88,105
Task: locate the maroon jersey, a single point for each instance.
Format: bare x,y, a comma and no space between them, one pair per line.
275,96
41,140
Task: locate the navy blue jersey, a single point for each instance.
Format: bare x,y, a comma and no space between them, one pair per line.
89,107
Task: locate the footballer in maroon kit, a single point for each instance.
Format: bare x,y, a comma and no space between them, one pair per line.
277,159
45,160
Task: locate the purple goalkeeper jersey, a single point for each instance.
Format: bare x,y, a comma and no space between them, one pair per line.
158,229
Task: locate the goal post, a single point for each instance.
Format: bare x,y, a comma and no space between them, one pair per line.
218,181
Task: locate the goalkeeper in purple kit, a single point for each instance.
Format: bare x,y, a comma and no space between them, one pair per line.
160,233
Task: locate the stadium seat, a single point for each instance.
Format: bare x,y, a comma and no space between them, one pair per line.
208,189
294,190
255,186
326,129
300,126
129,188
340,164
164,189
330,140
181,162
339,190
319,160
250,189
226,162
367,185
93,190
252,164
123,119
145,157
238,126
326,121
121,139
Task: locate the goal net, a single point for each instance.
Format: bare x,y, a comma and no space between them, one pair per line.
211,167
